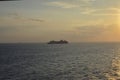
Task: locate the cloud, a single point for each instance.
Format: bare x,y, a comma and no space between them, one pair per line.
92,33
18,20
97,30
17,16
90,30
63,4
88,11
72,4
81,5
107,11
88,1
37,20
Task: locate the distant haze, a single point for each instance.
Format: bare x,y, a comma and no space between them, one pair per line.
72,20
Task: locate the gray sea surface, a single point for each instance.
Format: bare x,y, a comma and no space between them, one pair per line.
74,61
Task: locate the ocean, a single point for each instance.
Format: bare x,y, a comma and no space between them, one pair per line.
74,61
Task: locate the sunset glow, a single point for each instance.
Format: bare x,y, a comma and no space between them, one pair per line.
76,21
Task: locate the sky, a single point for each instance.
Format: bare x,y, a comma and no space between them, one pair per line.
72,20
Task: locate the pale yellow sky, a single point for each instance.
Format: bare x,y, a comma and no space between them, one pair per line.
72,20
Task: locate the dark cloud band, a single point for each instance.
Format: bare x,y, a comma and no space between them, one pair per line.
9,0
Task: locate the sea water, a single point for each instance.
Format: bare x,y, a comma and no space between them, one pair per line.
75,61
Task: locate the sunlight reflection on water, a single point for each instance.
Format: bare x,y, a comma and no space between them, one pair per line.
114,73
